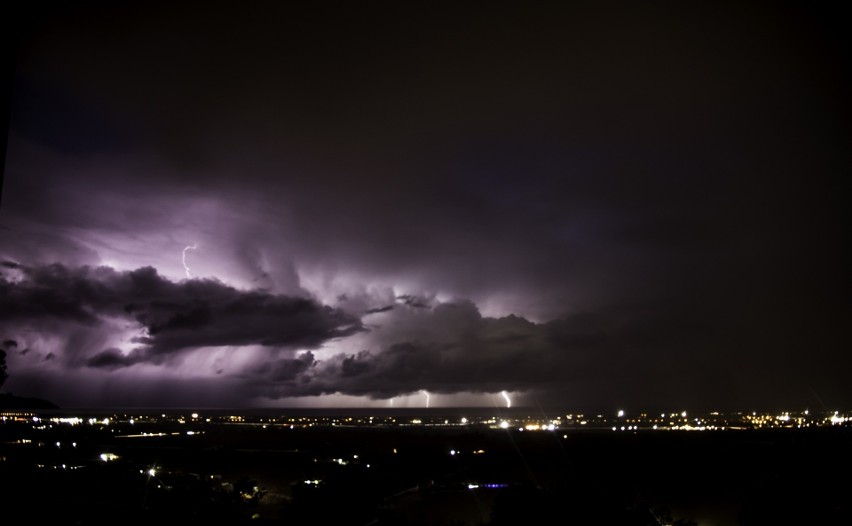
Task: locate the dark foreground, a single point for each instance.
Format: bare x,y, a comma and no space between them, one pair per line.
220,473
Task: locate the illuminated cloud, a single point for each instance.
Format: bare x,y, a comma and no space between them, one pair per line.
565,202
170,318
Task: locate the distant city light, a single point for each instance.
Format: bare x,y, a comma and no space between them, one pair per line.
504,425
152,472
620,413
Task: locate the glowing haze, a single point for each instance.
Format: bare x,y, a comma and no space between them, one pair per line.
406,208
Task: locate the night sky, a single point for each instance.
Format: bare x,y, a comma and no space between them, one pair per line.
596,205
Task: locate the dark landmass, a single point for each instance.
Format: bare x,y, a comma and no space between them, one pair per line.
10,401
177,468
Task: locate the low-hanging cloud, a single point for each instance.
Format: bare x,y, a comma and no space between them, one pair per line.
169,317
271,347
452,348
420,343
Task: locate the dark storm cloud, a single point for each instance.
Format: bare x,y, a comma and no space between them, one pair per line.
611,357
661,190
290,369
173,317
452,348
380,309
412,301
110,359
564,158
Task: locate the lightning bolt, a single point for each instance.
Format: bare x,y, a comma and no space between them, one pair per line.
391,402
506,397
185,266
425,392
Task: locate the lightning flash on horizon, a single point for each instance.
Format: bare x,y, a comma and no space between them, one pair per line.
506,397
425,392
183,258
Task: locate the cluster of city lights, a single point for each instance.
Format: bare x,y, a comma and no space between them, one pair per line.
619,420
